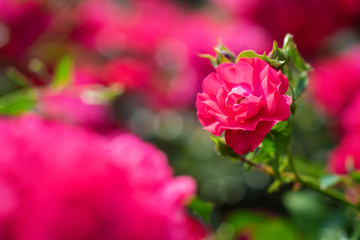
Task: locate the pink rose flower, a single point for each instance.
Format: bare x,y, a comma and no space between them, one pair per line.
244,99
62,182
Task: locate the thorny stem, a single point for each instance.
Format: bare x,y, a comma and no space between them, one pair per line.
331,193
262,168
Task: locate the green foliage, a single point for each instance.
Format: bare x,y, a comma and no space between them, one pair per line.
222,148
329,180
317,217
295,68
18,78
355,176
63,72
18,102
257,226
274,148
201,208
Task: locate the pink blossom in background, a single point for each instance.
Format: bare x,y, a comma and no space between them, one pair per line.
334,82
63,182
345,158
300,18
244,99
131,74
350,117
77,106
21,23
154,46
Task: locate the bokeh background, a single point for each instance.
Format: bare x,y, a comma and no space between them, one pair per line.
133,66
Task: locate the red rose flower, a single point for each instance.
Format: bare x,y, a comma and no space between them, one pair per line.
244,99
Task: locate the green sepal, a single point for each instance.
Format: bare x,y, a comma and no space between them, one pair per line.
18,102
201,208
296,68
63,72
275,63
222,148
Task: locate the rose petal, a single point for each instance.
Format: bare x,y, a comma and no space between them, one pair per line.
243,142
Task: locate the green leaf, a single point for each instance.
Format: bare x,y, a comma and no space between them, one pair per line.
260,226
248,54
274,186
356,233
201,208
277,53
296,68
355,176
63,72
273,148
17,77
293,54
222,148
329,180
18,102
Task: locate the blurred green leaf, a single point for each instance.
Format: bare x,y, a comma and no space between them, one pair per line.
307,209
329,180
17,77
274,186
356,233
355,176
243,218
261,226
301,84
63,72
201,208
18,102
278,229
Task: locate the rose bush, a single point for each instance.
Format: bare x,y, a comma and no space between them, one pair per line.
63,182
244,99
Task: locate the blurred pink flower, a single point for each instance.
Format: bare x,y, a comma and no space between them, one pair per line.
62,182
350,117
21,23
244,99
335,82
131,74
155,45
300,18
345,158
77,106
